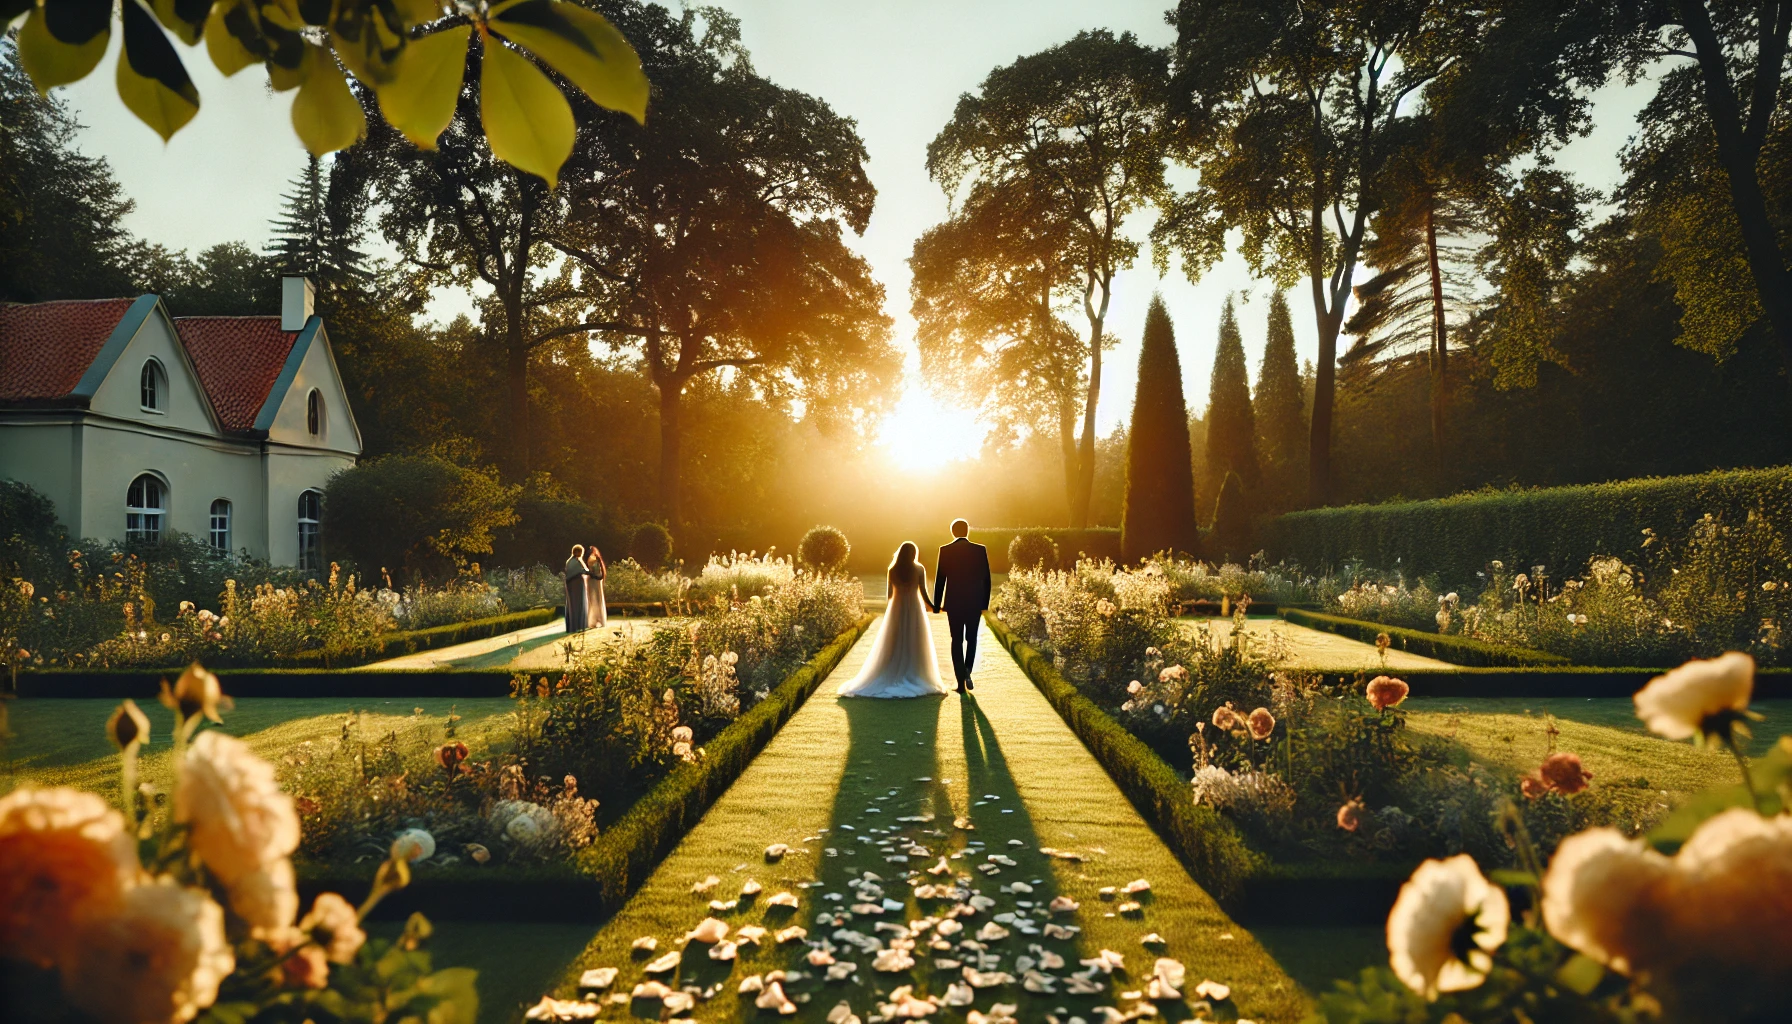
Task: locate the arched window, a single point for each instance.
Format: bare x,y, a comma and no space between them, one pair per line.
311,512
220,534
153,387
314,413
144,506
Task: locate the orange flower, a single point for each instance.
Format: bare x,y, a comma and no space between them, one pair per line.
68,859
1261,724
159,957
1563,773
1385,692
1350,815
1225,718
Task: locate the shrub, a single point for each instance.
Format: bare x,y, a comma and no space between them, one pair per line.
628,583
417,515
824,549
1094,542
534,587
1032,549
736,577
651,546
548,522
1559,527
32,539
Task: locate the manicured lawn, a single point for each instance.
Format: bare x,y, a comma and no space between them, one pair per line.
1612,743
63,742
1301,647
841,776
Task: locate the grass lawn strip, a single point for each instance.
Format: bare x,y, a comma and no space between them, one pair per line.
1309,648
62,742
841,775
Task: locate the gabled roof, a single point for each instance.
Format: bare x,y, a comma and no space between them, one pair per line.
238,358
47,347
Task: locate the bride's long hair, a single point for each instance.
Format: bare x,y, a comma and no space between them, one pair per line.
906,566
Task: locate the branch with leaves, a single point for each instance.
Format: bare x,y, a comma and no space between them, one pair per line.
411,54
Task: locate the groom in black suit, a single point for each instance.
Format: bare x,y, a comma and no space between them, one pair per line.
961,587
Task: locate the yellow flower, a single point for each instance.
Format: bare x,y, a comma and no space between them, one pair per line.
1444,926
1699,697
240,825
157,959
1703,924
65,857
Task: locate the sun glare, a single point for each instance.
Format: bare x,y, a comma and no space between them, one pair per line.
922,433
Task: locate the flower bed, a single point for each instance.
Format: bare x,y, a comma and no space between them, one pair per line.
1457,650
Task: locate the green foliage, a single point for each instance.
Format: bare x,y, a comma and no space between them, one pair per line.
1457,650
549,520
61,42
312,235
1231,424
1159,514
1096,542
31,536
417,515
651,546
824,549
1206,843
1454,538
1280,409
1232,519
1033,549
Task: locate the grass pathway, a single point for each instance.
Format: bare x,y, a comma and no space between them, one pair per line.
863,788
1306,648
536,649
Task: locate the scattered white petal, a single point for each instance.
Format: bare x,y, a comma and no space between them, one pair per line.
664,963
1107,892
775,851
841,970
991,932
562,1009
706,885
723,951
598,978
1077,985
1061,931
1129,907
1063,905
1037,982
1106,961
749,933
1137,885
987,979
710,931
752,983
791,934
646,944
783,899
892,960
750,888
650,990
1213,990
819,958
679,1002
1155,939
842,1014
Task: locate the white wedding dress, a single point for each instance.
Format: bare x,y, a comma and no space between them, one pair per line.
902,662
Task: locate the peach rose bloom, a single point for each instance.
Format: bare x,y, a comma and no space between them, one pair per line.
157,960
64,857
242,826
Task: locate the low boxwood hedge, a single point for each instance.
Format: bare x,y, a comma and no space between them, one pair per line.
1557,527
602,876
1096,542
397,645
1456,650
142,684
1546,681
1207,844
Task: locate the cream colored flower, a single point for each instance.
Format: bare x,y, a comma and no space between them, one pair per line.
1692,698
240,825
196,692
158,958
64,857
335,925
1697,919
1439,901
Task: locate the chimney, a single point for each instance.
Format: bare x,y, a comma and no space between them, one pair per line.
298,299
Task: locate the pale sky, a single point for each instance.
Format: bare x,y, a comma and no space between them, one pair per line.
895,67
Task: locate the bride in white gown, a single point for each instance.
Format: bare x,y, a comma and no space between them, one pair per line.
902,662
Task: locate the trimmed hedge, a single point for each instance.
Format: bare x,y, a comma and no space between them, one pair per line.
1457,650
396,645
140,684
1096,542
604,874
1207,844
1548,681
1557,527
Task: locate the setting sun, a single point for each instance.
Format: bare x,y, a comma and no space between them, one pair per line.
924,433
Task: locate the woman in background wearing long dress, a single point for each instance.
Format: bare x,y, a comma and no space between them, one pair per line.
594,589
577,608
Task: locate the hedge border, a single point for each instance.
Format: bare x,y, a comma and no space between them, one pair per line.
1547,681
277,682
413,641
603,876
1209,846
1454,649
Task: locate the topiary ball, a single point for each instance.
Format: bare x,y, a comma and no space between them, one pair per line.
1032,549
824,549
651,546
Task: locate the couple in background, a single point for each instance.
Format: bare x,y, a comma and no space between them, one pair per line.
902,661
585,590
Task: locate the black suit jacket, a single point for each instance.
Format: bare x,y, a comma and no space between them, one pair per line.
961,582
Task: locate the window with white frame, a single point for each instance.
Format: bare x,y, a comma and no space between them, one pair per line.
314,413
311,513
153,387
220,532
144,506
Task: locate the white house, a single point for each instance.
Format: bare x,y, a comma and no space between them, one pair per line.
135,422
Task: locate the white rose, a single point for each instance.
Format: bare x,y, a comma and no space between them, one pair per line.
157,960
240,825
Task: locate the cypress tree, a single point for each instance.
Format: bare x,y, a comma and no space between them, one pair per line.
1281,410
1159,514
1231,426
1231,539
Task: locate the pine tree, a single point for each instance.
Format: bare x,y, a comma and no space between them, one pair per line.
312,239
1159,514
1281,407
1231,426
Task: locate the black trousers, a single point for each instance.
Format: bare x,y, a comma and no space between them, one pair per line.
963,630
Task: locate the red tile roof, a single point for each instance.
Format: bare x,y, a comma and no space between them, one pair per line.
239,358
45,347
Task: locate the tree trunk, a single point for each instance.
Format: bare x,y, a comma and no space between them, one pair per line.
1440,349
516,380
1325,372
1067,445
1085,470
671,453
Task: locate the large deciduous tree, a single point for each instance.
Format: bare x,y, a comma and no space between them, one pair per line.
1159,514
1075,133
1289,111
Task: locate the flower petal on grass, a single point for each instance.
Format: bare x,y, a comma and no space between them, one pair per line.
664,963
